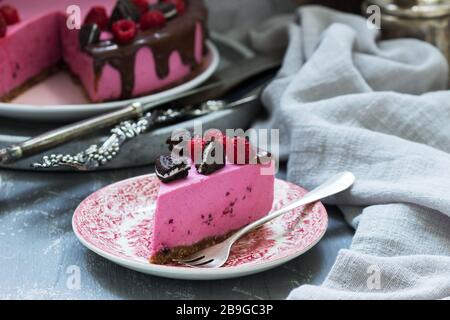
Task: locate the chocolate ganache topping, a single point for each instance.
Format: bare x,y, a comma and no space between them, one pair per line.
177,35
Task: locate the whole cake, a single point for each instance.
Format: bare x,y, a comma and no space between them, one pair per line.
202,203
124,48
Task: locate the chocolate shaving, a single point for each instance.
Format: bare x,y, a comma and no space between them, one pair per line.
125,9
168,168
89,34
209,164
167,8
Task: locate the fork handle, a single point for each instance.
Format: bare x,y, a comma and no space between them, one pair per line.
334,185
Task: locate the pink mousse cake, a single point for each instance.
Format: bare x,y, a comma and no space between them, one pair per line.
124,49
196,209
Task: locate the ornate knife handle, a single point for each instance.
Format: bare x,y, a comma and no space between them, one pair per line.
97,156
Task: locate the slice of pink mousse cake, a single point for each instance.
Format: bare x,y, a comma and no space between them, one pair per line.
200,210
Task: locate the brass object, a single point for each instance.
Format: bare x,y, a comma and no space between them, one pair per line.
342,5
427,20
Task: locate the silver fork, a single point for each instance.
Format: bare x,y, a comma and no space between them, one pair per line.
217,255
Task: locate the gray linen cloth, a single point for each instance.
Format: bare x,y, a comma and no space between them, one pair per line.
345,101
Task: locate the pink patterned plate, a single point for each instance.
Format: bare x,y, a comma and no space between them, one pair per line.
115,222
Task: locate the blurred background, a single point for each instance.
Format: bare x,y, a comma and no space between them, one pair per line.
226,15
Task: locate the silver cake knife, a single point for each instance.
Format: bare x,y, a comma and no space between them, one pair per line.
221,83
96,156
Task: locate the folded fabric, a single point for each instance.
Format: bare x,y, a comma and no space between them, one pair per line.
344,100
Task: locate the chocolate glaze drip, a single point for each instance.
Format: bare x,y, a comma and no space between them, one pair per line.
177,35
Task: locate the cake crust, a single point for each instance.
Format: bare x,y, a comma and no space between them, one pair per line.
30,83
167,256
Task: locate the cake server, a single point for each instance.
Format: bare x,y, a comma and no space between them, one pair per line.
96,156
221,83
217,255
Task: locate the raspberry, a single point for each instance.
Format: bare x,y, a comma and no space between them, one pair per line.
153,19
142,5
124,31
235,155
10,14
98,16
3,26
180,5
